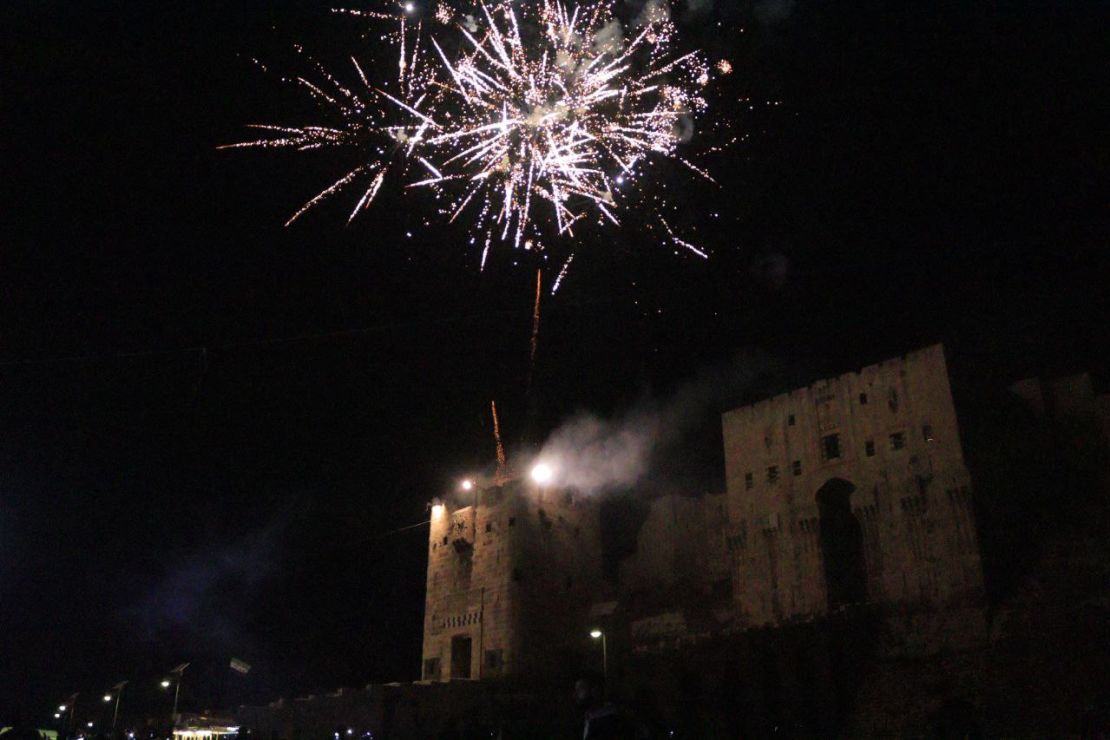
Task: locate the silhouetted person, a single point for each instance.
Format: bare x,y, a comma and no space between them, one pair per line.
601,719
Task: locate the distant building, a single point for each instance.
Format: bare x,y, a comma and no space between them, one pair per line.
1076,416
853,489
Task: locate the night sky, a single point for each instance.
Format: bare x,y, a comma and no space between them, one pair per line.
210,425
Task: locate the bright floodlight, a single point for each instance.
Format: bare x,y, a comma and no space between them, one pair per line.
409,7
542,473
57,715
165,683
467,484
61,707
90,724
595,634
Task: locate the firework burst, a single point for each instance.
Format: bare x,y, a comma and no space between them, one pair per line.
525,119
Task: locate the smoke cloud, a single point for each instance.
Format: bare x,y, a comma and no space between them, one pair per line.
595,455
199,594
609,38
770,12
684,128
695,8
653,10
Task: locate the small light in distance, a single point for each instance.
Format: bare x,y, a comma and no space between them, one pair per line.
61,707
542,473
466,484
57,715
90,724
595,633
165,683
410,7
107,697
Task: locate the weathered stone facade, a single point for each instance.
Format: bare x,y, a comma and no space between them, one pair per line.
680,545
851,490
511,577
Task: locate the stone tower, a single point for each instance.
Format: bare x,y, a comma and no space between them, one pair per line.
512,571
851,490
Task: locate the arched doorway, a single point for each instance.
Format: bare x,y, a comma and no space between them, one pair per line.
841,544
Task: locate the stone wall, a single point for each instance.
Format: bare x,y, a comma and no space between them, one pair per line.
852,489
681,542
511,576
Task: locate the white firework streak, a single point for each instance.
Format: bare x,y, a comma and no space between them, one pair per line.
524,126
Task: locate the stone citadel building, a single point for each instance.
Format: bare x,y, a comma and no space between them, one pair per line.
852,490
834,588
511,576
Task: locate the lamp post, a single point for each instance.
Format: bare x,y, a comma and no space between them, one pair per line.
118,689
178,671
69,706
600,635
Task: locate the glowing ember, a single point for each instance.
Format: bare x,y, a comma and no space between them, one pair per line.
525,130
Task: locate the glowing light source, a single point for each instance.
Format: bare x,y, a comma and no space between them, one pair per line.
61,707
542,473
409,7
596,633
467,484
107,697
57,715
437,511
165,683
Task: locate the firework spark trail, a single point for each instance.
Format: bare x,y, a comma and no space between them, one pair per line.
562,274
535,326
497,438
528,126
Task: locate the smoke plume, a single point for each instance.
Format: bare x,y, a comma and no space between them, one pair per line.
609,38
201,593
595,455
695,8
770,12
653,10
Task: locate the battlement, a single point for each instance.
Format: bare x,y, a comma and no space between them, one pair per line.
858,485
510,577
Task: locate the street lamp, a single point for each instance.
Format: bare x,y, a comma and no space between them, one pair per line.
597,634
70,706
177,686
118,689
